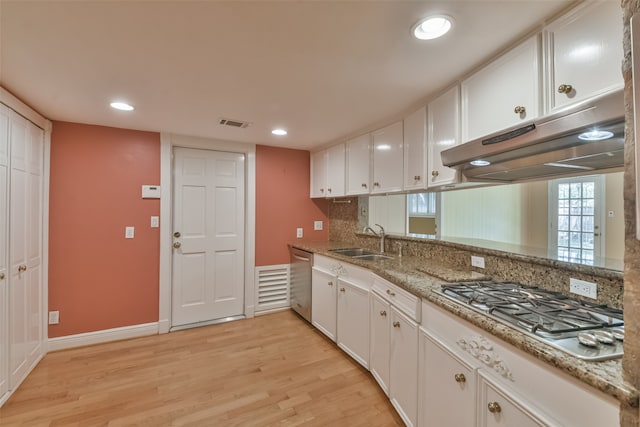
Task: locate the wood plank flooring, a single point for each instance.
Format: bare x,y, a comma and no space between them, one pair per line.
273,370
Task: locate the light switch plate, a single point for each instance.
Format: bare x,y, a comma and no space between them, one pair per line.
155,221
317,225
299,233
129,232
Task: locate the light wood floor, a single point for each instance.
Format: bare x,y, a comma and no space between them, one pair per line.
271,370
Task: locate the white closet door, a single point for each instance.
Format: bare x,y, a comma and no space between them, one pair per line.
4,301
25,205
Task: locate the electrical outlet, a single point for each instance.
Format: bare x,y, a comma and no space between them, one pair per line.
611,214
299,233
128,232
317,225
477,261
54,317
581,287
155,221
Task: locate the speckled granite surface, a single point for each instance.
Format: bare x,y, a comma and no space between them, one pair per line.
605,376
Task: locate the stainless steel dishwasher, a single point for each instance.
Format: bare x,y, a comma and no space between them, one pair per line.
300,283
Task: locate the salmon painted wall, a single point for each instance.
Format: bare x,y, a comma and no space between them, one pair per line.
97,278
283,203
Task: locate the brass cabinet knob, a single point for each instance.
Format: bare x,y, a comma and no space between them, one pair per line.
330,283
393,294
434,173
1,276
177,245
364,185
416,178
383,313
566,89
177,234
494,407
329,190
22,268
396,324
519,110
322,190
460,378
376,184
341,289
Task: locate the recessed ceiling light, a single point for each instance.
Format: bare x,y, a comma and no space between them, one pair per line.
122,106
279,132
595,135
432,27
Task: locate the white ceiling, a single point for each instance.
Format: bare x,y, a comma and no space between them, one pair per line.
322,69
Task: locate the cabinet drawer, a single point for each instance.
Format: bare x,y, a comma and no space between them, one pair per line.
403,300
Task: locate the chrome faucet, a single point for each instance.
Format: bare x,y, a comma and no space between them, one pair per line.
380,234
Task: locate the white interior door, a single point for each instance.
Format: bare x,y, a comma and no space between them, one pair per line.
4,302
25,247
208,225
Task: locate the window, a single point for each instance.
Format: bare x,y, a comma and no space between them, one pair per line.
421,204
575,219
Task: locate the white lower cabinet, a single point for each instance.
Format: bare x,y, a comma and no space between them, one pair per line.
447,386
502,386
394,346
340,305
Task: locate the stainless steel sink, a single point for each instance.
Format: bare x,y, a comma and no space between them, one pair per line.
359,253
353,252
372,257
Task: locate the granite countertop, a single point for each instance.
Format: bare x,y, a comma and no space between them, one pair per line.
424,280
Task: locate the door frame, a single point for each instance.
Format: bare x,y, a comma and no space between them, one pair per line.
167,143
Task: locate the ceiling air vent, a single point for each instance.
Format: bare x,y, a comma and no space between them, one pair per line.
233,123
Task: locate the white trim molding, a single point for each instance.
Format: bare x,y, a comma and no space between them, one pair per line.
167,142
103,336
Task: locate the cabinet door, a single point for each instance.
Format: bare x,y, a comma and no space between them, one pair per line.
586,53
447,389
379,363
358,161
388,157
353,321
323,302
4,301
497,409
335,170
443,132
504,93
415,141
403,366
318,174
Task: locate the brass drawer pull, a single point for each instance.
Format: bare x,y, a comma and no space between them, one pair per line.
341,289
393,294
396,324
566,89
519,110
460,378
383,313
22,268
494,407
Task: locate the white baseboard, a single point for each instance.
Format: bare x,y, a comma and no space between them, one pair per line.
272,310
106,335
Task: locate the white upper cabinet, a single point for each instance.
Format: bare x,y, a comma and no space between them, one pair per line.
319,174
358,161
585,54
415,141
335,171
387,159
443,132
504,93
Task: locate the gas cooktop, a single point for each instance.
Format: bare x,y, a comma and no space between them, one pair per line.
586,330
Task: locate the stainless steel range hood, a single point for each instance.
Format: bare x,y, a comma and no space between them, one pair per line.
549,146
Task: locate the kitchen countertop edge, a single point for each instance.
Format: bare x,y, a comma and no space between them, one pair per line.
605,376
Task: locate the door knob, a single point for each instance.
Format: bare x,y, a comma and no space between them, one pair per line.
177,245
177,234
565,89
